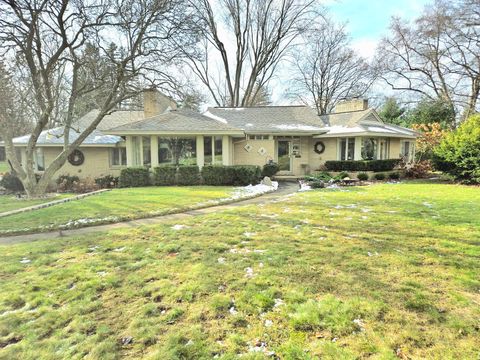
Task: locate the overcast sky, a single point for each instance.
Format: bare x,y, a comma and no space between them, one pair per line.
367,21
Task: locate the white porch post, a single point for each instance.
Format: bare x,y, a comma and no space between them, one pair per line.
226,150
200,151
358,148
154,150
129,151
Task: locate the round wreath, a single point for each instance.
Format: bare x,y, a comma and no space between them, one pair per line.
319,147
76,158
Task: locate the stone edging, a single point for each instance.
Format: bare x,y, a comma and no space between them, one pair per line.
51,203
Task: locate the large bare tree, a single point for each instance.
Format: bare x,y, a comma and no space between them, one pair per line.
327,69
437,56
44,47
242,44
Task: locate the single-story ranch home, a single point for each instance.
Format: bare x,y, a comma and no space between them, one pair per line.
295,137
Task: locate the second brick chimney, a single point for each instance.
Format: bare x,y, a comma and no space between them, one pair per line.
351,105
155,103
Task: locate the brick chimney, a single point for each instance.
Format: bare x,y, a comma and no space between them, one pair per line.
155,103
351,105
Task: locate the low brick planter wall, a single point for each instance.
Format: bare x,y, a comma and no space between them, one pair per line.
51,203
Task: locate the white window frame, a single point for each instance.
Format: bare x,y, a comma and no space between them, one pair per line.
339,148
120,157
411,150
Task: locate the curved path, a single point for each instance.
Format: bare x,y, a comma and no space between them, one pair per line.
285,188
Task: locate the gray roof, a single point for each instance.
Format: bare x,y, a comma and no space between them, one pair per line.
55,137
269,119
176,120
115,119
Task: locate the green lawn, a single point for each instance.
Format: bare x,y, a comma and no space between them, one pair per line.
10,202
4,167
379,272
113,206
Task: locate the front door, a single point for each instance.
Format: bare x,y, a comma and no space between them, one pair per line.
284,151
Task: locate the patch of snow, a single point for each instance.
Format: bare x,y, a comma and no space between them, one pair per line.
278,302
233,311
427,204
120,249
214,117
221,260
258,251
249,234
297,127
253,190
25,261
268,323
249,272
304,187
179,227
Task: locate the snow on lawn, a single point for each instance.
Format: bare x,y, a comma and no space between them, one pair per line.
253,190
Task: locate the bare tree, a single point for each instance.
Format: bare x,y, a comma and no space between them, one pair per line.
437,56
259,33
327,69
44,44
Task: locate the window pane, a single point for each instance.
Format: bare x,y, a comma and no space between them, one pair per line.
115,156
123,156
218,149
40,160
343,148
136,150
179,151
351,148
207,150
369,149
146,151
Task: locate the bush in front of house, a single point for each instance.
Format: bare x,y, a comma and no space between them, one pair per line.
164,175
107,181
394,176
218,175
231,175
363,176
188,175
134,177
246,174
270,169
459,152
379,176
11,183
66,182
362,165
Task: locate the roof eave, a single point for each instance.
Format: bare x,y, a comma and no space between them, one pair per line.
157,132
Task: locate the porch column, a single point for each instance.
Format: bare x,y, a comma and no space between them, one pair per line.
200,151
129,151
358,148
154,150
226,150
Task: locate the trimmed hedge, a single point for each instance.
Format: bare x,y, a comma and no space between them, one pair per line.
164,175
362,165
188,175
134,177
231,175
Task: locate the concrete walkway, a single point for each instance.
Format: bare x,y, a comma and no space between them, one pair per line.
285,188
